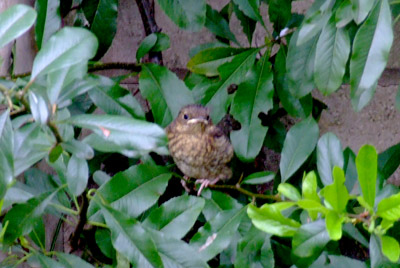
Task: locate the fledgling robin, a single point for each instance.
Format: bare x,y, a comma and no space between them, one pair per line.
200,149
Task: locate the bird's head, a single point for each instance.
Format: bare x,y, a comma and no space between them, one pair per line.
193,118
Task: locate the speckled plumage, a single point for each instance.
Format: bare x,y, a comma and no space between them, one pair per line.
200,149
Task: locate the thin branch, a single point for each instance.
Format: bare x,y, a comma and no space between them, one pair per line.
243,191
53,127
115,65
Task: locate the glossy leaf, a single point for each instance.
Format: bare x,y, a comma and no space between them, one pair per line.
299,143
361,8
332,53
175,217
390,248
131,134
329,154
389,208
350,169
336,194
251,9
208,60
289,191
270,220
366,163
78,148
309,186
216,97
23,217
216,234
130,238
344,14
248,24
388,162
253,96
102,18
66,48
141,185
370,53
187,14
6,153
166,93
378,259
310,240
77,175
259,177
217,202
334,225
39,108
218,25
70,260
300,66
15,21
154,42
48,20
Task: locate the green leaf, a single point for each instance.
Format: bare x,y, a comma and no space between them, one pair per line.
389,208
253,96
46,262
216,97
329,154
336,194
254,250
130,238
78,148
370,53
270,220
38,234
103,241
313,207
350,169
218,25
6,153
138,136
251,8
299,143
334,225
216,234
185,257
141,185
248,24
154,42
70,260
48,20
344,14
23,217
279,12
289,191
360,9
259,177
388,162
77,175
66,48
295,107
39,108
366,163
378,259
309,186
102,18
166,93
335,261
187,14
217,202
332,53
310,240
175,217
207,61
55,153
390,248
300,66
15,21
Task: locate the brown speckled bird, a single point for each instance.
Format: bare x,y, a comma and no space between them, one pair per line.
199,148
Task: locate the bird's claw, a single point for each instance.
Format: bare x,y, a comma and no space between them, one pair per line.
205,183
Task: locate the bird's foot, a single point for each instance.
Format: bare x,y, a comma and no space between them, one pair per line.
205,183
184,184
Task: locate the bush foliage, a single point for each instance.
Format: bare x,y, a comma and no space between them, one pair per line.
112,181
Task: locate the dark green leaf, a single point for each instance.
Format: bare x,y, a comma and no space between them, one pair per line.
69,260
38,234
253,96
350,169
299,143
251,8
55,153
48,20
77,175
259,177
335,261
344,14
248,24
370,53
360,9
279,12
15,21
103,241
269,219
141,185
217,24
186,14
138,136
154,42
217,202
130,238
216,234
175,217
388,162
366,163
166,93
66,48
332,53
6,153
329,154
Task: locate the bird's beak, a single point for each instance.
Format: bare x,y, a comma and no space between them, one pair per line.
197,120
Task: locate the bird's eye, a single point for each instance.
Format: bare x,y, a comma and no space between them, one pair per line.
185,116
208,117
